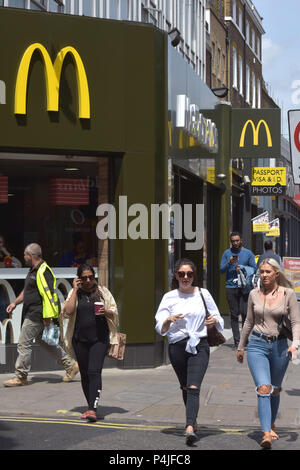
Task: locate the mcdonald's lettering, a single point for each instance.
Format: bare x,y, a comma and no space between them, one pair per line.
52,76
255,132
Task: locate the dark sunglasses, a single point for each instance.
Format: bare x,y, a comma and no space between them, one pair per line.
85,278
182,274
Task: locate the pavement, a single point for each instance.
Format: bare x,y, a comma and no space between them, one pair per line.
152,396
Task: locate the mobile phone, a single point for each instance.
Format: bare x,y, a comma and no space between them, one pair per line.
289,355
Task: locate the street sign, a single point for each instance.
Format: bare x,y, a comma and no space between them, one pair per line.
294,130
277,190
260,223
274,226
267,181
268,176
255,133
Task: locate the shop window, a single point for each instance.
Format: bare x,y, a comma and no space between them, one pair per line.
47,204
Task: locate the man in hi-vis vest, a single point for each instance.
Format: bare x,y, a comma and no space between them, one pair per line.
40,305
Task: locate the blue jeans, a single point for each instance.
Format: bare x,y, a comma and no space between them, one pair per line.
267,363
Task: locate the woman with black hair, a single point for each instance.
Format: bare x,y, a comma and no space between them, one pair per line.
90,331
182,317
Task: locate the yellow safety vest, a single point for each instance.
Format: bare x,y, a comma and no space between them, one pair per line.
50,302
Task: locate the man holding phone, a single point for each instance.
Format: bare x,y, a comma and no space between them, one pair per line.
231,261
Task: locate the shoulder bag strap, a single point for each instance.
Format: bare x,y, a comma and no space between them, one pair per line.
204,303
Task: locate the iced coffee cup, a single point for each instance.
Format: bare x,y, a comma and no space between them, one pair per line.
98,306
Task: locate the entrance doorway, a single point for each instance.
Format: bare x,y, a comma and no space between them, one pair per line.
188,189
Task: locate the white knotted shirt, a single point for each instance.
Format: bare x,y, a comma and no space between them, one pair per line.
192,326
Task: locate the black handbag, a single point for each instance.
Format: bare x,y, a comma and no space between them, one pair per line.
214,337
285,326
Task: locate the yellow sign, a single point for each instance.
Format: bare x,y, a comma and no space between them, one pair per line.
274,228
52,76
260,223
274,232
263,227
266,176
255,132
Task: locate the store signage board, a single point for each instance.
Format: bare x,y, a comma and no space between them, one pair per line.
255,133
260,223
292,272
274,226
190,119
268,181
294,131
277,190
268,176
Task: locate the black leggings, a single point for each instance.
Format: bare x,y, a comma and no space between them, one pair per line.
90,358
190,370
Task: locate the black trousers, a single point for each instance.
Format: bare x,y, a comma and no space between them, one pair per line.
90,358
238,303
190,370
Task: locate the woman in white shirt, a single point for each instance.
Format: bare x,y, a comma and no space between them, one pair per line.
181,316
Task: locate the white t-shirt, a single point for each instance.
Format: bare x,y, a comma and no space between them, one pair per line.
192,325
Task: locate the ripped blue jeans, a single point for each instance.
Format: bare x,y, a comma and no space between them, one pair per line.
268,363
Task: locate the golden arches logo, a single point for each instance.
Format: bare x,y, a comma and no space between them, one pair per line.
256,132
52,76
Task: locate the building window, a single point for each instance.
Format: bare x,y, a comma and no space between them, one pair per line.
16,3
253,40
213,57
218,71
247,83
87,8
258,47
240,19
258,94
253,90
241,75
234,67
234,10
247,32
223,69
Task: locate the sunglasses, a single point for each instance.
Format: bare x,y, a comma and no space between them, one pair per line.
85,278
182,274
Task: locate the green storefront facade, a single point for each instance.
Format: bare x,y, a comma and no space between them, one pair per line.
101,95
126,71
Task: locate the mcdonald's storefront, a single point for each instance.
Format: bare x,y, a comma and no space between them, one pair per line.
83,121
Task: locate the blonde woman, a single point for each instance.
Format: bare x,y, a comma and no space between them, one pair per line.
268,353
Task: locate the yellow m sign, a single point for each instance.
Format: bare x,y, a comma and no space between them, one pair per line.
256,132
52,76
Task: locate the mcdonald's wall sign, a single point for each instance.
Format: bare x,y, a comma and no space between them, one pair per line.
255,133
70,83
